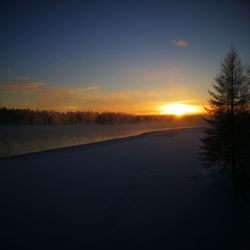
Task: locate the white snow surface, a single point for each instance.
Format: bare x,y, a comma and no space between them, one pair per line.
143,192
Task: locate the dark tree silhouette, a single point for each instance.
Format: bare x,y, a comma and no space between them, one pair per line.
224,139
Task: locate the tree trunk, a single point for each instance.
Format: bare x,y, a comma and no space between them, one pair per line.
232,121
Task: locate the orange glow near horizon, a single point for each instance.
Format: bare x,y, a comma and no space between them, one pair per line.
93,98
179,109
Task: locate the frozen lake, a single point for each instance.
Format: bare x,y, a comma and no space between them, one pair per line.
20,139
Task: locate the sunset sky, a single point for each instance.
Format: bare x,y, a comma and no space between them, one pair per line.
127,56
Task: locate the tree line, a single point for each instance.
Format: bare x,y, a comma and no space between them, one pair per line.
33,117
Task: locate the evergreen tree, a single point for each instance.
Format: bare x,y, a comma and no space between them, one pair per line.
228,108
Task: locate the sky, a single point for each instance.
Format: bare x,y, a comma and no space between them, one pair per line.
121,56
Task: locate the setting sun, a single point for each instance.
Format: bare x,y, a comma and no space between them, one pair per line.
179,109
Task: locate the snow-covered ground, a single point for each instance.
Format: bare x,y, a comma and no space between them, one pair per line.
143,192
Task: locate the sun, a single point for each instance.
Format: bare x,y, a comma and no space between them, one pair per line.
178,109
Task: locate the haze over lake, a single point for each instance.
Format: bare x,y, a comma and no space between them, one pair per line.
22,139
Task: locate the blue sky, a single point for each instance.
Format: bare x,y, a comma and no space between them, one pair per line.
115,49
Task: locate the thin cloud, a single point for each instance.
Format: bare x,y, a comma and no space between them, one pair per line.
180,43
22,78
89,89
44,96
24,86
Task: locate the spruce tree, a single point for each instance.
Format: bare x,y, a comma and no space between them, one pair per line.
228,105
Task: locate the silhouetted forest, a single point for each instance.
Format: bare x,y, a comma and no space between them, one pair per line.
27,116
